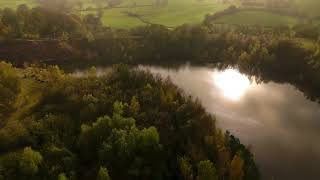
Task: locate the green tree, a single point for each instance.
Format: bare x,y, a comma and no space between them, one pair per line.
309,31
185,168
142,148
93,22
103,174
9,88
22,17
62,176
207,171
30,161
9,17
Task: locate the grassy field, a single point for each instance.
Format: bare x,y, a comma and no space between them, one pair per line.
176,13
15,3
257,18
184,11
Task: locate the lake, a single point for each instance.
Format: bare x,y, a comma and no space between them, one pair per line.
281,127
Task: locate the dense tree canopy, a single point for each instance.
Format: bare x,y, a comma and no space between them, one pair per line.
124,125
129,124
281,54
40,22
9,88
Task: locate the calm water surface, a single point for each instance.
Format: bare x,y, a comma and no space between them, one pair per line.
276,120
280,125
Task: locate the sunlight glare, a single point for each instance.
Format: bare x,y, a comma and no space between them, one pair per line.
232,83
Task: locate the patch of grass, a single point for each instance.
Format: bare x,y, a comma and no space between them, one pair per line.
192,12
176,13
14,3
257,18
118,19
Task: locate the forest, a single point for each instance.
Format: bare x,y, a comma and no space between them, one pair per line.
255,50
129,123
124,125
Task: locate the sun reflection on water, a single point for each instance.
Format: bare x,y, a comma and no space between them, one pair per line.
232,83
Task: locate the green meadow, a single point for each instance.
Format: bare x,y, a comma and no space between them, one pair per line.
257,18
15,3
179,12
176,13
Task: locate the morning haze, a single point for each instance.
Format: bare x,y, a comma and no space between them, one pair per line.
159,89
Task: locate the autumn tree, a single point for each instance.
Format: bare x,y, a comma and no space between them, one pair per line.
129,121
236,168
134,106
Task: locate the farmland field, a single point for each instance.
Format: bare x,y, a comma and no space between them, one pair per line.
176,13
256,18
179,12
